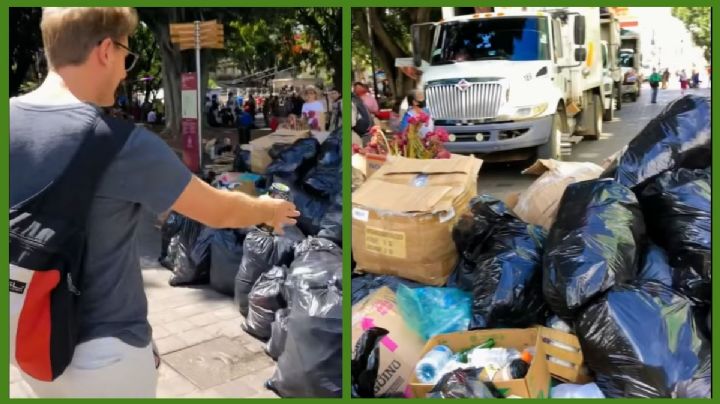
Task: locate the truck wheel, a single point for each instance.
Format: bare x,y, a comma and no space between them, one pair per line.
551,149
609,113
618,99
633,97
593,133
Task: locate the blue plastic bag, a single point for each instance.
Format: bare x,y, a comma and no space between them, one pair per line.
431,311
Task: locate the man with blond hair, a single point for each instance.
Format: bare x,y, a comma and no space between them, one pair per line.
88,56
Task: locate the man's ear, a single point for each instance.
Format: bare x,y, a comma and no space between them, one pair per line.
103,52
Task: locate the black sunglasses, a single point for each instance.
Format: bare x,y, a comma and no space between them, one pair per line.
130,59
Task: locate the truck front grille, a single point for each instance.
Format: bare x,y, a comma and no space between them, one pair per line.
477,101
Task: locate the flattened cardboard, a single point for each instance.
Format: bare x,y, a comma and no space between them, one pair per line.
401,198
536,384
399,350
539,203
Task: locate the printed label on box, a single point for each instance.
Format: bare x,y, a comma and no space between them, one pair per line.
385,242
360,214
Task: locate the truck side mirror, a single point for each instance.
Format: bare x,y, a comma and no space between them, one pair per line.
580,54
417,54
579,37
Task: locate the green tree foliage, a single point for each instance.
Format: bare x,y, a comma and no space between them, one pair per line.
26,58
697,20
390,29
146,76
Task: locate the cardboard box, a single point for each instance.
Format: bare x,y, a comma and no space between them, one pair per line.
536,384
259,157
399,350
404,214
374,162
538,204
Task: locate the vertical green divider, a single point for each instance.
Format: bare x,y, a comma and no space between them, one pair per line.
347,199
5,191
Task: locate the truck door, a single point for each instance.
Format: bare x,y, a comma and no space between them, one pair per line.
561,57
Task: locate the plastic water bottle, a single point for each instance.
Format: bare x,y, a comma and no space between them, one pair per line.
428,369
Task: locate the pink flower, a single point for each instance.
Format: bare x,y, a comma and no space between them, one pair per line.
423,117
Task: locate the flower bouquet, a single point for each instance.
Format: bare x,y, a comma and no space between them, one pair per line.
410,143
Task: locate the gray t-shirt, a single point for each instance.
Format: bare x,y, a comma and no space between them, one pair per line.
146,174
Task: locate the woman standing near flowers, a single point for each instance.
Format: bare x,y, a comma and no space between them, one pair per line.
417,109
313,110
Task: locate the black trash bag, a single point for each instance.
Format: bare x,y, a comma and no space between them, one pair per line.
463,276
265,299
655,266
169,228
326,178
189,251
312,210
641,340
678,137
311,363
507,255
677,210
296,160
366,362
278,334
262,250
700,386
596,242
363,285
331,223
226,253
324,181
318,262
464,383
241,163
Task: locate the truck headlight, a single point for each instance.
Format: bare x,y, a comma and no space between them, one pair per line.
529,111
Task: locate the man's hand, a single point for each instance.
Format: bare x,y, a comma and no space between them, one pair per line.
284,213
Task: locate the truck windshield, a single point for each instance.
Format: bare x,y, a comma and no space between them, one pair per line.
510,38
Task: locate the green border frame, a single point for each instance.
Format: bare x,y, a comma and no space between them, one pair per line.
347,168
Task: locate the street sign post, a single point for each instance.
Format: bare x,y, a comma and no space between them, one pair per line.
195,35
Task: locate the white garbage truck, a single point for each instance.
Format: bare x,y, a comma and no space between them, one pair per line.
630,64
613,77
514,79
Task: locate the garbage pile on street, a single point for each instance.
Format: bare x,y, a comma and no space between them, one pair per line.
594,282
288,287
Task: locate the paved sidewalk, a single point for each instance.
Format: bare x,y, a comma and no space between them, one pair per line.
197,330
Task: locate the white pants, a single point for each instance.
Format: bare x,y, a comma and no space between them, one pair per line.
103,367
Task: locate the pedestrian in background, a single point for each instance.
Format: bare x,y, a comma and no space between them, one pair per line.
363,92
665,79
654,81
695,79
683,81
313,110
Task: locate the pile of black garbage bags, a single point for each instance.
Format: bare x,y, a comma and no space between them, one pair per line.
288,287
626,264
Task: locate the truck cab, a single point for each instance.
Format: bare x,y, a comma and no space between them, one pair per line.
513,79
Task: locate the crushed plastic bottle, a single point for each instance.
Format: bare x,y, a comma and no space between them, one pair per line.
429,368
